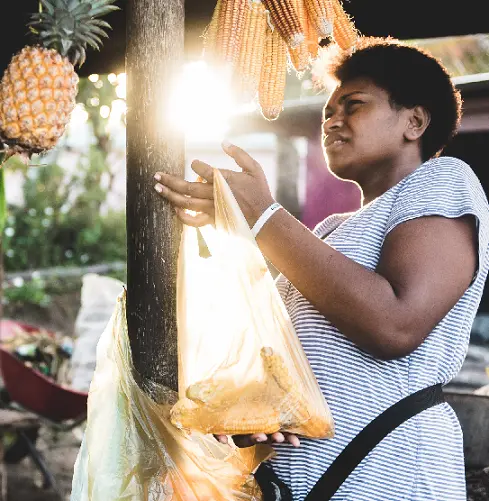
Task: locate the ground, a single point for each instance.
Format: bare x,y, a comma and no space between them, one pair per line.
24,479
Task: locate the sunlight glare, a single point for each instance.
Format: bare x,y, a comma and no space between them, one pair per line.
202,103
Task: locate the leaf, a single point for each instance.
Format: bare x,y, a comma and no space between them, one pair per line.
88,40
99,3
48,6
99,22
82,9
101,11
97,30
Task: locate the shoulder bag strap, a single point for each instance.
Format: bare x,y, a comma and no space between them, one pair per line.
369,437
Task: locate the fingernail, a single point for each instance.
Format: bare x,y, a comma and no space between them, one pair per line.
226,144
157,177
259,439
158,188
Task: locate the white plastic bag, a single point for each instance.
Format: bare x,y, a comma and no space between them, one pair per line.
242,368
98,296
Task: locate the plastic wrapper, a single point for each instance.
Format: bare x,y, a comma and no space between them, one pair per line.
242,368
131,451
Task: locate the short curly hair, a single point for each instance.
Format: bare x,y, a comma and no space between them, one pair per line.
411,76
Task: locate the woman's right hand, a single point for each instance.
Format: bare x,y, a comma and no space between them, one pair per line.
261,438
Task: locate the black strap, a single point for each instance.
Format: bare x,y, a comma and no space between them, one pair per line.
370,436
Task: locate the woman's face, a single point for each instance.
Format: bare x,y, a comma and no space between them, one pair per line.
362,132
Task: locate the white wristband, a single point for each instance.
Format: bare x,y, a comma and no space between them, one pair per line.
265,217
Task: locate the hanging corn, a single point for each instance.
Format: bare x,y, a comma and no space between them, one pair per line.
210,34
345,34
271,92
286,22
252,47
299,56
257,39
230,29
321,14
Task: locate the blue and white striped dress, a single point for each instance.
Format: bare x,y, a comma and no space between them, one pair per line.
422,460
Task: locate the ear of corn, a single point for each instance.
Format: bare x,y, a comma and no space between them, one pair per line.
271,91
210,33
231,25
229,418
295,416
286,21
275,403
344,33
252,48
310,32
299,56
321,14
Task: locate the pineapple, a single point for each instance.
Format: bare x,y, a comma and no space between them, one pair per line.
39,87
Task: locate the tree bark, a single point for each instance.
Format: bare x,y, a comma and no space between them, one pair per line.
155,36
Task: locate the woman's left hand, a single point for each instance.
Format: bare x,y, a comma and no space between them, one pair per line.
249,187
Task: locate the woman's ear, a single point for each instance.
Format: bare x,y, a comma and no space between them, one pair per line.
418,120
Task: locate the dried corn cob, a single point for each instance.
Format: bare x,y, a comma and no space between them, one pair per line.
311,35
294,413
286,21
299,57
230,29
211,392
271,90
345,34
252,47
321,14
249,417
210,33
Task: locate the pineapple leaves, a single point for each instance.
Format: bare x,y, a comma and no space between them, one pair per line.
98,31
99,22
48,6
89,40
101,11
70,26
80,10
98,3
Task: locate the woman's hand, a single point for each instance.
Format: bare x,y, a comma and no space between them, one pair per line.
249,187
261,438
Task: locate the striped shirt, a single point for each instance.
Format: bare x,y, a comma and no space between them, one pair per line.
422,460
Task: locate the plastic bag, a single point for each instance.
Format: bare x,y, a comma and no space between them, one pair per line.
98,295
131,452
242,368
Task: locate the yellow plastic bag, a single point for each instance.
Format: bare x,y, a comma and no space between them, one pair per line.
131,452
242,368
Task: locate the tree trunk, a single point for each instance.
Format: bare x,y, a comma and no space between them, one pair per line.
155,35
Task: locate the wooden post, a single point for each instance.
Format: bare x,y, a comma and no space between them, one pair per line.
154,54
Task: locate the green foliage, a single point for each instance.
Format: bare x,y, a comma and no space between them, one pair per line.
31,292
61,222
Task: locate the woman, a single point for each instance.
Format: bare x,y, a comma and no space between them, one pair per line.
382,299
